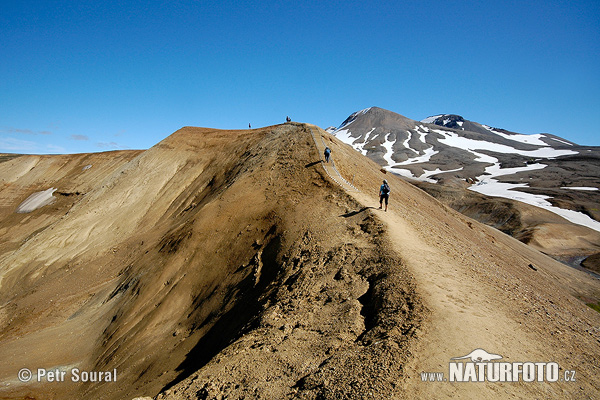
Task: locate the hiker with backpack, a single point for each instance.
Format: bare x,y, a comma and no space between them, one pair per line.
384,194
327,153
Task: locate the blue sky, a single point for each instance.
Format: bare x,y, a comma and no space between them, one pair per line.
84,76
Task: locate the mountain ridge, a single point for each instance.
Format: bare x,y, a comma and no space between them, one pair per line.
540,170
229,264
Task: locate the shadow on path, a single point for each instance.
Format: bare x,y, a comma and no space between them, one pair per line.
353,213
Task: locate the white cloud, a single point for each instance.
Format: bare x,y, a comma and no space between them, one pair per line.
111,146
79,137
12,145
24,131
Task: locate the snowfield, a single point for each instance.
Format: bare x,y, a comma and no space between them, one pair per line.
491,187
431,120
424,177
495,170
588,188
528,139
423,134
561,141
488,183
37,200
454,140
388,145
345,136
426,157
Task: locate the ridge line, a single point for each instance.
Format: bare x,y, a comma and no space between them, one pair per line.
340,180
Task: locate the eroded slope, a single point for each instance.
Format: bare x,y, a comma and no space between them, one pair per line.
208,239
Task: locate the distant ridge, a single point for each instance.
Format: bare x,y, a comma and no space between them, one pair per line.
540,170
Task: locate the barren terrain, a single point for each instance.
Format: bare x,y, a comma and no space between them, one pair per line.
229,264
541,189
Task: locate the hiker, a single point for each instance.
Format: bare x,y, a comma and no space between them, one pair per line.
288,119
327,153
384,194
249,126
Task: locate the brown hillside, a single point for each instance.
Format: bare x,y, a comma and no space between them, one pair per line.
228,263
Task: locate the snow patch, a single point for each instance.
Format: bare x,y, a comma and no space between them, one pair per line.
492,187
576,217
580,188
431,120
361,146
483,157
345,136
401,171
424,177
405,143
454,140
368,135
422,135
426,174
495,170
36,200
561,141
388,145
428,153
528,139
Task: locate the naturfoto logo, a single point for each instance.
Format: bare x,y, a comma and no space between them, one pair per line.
482,369
481,366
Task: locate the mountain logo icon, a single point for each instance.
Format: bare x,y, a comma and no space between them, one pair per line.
479,355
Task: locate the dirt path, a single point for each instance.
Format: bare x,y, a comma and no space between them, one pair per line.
329,167
460,315
482,290
465,313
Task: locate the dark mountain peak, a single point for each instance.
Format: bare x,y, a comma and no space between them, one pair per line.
353,116
376,116
447,120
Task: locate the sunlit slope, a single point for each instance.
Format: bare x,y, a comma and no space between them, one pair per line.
170,255
229,263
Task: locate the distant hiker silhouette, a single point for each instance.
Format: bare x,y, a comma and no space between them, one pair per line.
384,194
288,119
249,126
327,153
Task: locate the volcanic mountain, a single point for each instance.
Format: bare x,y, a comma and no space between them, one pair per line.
237,264
530,186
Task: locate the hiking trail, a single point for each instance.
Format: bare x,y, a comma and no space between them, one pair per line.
330,168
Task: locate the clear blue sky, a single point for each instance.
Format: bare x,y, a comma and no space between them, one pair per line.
83,76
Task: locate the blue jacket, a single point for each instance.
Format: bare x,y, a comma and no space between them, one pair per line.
382,188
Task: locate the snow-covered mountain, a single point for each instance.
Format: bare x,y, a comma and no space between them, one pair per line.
543,170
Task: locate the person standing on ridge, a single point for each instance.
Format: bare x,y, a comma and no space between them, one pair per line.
249,126
288,119
384,194
327,153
